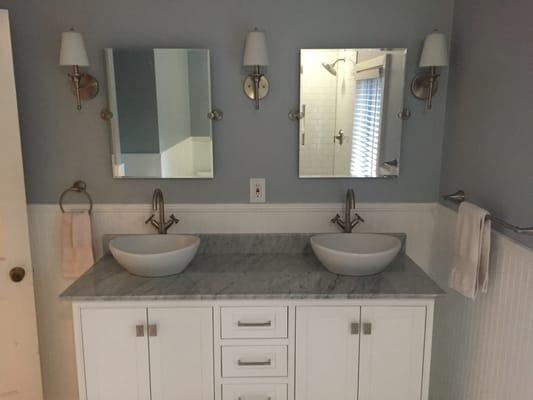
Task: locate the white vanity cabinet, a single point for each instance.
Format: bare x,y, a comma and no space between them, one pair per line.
113,361
327,351
366,349
365,353
144,353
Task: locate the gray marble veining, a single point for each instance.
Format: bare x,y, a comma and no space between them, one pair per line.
272,266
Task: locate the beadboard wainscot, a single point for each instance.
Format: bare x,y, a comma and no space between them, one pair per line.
483,349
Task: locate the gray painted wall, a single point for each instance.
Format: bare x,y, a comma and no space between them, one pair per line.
61,144
488,146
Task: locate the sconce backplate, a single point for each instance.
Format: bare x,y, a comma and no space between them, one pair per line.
420,86
89,87
249,87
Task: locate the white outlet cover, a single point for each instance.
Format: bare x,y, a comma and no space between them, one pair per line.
257,190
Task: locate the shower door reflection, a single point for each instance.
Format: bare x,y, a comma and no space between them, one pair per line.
351,99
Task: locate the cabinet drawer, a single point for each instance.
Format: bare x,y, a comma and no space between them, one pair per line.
253,322
254,391
244,361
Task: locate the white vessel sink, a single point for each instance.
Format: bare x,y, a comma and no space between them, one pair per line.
355,253
154,255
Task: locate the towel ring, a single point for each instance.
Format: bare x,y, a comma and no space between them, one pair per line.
79,187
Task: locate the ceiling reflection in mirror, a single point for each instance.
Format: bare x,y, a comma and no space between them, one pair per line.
160,100
351,102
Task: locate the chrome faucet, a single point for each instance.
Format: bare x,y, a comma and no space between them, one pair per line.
348,223
158,204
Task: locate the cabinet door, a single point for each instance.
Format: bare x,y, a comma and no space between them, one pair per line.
327,345
181,353
115,351
391,353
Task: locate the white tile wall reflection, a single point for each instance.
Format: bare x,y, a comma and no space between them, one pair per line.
318,88
326,109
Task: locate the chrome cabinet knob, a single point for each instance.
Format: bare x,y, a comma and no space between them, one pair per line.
152,330
139,330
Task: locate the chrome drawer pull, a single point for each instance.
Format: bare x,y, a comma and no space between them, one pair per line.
249,324
253,363
244,398
139,330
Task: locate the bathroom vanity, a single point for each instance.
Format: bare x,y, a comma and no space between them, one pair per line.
254,317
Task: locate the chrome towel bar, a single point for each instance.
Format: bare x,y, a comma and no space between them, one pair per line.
460,196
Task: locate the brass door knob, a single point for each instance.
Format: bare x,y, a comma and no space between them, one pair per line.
17,274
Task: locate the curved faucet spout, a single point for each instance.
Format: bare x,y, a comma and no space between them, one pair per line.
348,223
158,205
157,197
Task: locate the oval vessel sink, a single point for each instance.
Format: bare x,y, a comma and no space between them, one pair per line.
154,255
355,253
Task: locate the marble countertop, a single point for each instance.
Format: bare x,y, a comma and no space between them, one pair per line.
252,267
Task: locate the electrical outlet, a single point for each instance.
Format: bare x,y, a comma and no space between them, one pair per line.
257,190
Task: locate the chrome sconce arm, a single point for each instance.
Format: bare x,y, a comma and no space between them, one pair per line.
84,86
424,85
256,86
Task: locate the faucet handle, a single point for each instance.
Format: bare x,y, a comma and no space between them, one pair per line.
356,221
172,220
336,218
150,219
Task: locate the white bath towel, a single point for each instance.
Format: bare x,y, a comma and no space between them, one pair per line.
2,240
470,269
77,244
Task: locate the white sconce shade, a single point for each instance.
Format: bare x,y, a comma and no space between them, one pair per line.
255,49
435,51
73,50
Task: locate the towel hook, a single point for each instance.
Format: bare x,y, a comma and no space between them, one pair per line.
78,187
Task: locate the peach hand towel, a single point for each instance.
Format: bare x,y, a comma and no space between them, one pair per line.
77,244
2,241
470,270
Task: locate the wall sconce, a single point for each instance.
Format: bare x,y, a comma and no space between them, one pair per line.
73,54
434,54
255,55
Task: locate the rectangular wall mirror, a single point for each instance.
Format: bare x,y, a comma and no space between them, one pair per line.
350,112
160,100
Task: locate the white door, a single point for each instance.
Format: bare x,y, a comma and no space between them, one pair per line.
181,353
391,353
20,375
327,346
115,351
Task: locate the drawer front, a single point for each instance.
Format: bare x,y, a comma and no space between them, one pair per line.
259,361
254,391
253,322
